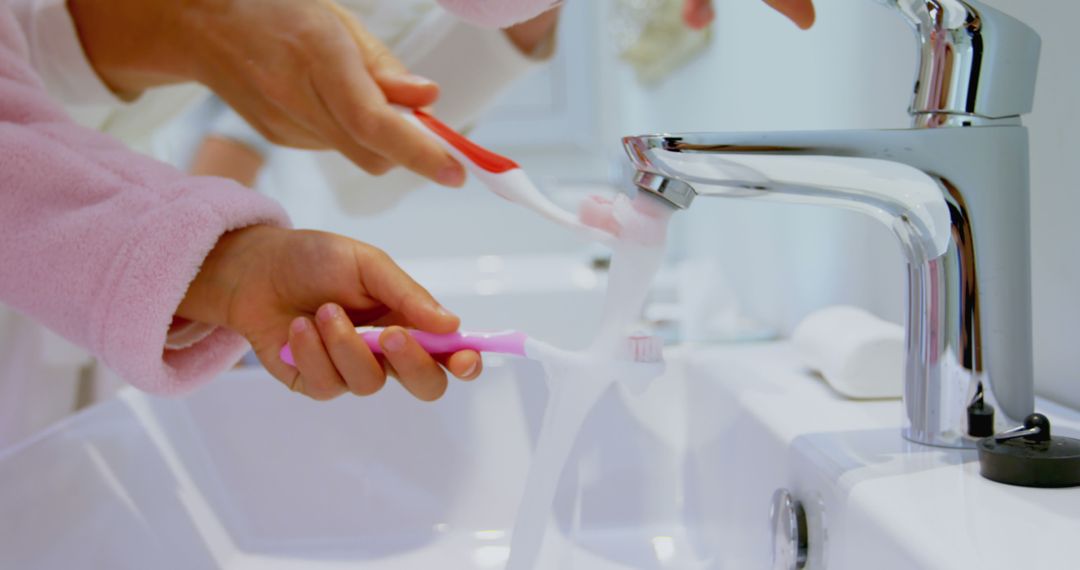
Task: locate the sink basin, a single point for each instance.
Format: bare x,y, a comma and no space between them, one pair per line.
244,474
531,293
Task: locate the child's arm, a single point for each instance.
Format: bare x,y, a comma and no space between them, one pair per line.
272,285
100,244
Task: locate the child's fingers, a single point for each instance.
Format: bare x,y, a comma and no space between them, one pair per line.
350,354
415,369
466,364
318,378
385,281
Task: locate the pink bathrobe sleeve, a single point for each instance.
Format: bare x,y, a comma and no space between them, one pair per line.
100,244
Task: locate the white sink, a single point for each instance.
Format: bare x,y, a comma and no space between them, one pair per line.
873,500
532,293
244,474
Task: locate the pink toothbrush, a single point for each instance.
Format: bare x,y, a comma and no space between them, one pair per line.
505,342
641,360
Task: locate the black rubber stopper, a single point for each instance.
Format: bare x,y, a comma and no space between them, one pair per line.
1031,458
980,419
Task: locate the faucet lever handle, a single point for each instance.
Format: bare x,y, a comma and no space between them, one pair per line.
973,61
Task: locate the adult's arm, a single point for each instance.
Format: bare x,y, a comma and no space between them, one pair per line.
304,73
57,55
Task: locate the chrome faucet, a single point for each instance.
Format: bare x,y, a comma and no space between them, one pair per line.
954,190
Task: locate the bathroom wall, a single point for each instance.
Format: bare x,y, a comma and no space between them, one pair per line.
762,73
854,70
1055,195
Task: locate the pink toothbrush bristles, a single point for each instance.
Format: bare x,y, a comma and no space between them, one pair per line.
641,220
645,348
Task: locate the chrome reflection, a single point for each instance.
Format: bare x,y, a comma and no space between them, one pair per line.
954,190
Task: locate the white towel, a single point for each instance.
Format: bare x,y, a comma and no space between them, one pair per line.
858,354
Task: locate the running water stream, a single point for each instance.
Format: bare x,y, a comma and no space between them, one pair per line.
575,384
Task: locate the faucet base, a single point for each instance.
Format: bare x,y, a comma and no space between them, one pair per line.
944,441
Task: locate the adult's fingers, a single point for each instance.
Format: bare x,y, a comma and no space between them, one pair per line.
698,13
276,125
412,91
321,116
357,103
415,368
318,379
799,11
350,354
393,77
382,279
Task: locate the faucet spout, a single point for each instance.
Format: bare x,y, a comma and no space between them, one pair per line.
956,199
954,190
902,197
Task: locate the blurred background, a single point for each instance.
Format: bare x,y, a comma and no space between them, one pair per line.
754,268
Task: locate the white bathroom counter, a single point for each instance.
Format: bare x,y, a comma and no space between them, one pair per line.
887,502
245,474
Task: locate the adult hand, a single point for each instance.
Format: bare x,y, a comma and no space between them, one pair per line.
309,289
699,13
305,73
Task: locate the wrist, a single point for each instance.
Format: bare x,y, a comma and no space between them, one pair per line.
235,259
531,37
132,44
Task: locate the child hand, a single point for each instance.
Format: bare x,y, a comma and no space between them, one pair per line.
309,289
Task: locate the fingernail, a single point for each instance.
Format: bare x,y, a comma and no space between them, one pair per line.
393,341
328,312
417,80
471,370
299,325
443,311
451,176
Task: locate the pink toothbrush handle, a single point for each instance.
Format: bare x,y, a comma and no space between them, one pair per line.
506,342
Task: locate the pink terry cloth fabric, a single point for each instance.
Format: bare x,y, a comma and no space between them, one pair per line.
497,13
100,244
